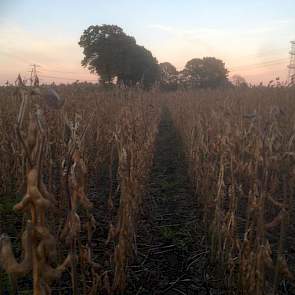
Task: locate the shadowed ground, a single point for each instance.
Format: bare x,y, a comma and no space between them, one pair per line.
172,256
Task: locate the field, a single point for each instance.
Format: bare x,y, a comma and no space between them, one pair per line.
125,191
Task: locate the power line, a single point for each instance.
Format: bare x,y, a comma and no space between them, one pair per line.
241,67
262,64
268,53
245,67
58,71
23,60
65,78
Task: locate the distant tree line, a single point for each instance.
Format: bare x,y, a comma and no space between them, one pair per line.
117,58
207,72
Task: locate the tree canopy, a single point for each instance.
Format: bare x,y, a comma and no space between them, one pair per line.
207,72
169,76
167,69
111,53
138,65
239,81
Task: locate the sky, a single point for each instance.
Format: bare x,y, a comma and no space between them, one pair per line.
251,37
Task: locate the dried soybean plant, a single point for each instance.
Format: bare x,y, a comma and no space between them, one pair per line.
240,151
12,169
82,147
135,136
75,173
38,244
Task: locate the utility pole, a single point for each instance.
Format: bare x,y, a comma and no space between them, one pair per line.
291,66
34,75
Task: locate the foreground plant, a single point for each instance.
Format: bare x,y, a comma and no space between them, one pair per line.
38,244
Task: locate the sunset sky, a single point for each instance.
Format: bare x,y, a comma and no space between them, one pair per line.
252,37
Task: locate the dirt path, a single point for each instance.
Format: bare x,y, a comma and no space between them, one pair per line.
172,257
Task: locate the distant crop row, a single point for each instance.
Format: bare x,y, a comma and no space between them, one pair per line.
240,149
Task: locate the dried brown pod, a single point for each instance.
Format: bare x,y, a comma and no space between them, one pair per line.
72,228
34,199
46,248
7,258
46,194
51,274
32,134
77,180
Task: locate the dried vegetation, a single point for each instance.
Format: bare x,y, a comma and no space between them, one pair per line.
75,165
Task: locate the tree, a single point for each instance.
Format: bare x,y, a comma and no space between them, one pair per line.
167,69
239,81
139,66
169,76
104,47
207,72
111,53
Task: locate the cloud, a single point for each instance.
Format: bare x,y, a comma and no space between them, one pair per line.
201,32
59,55
161,28
191,33
246,50
54,52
